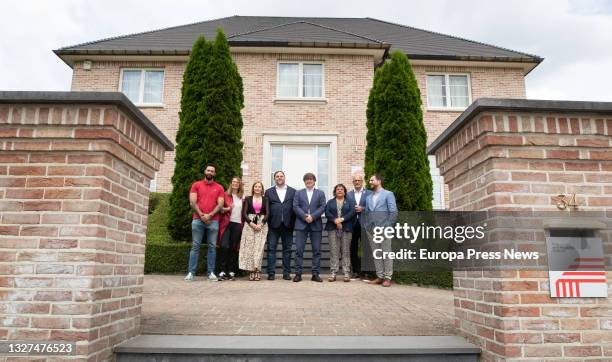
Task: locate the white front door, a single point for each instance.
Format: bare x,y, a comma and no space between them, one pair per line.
297,159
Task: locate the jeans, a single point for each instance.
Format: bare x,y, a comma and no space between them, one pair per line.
300,244
198,229
287,236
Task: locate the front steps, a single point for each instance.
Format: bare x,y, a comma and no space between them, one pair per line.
170,348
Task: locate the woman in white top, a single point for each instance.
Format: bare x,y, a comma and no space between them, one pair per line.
230,239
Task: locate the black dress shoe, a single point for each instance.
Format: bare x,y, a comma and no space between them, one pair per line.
316,278
286,277
297,278
270,276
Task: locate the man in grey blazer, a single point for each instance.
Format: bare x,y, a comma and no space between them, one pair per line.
380,210
308,206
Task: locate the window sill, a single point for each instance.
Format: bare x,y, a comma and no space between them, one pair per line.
149,105
300,101
445,109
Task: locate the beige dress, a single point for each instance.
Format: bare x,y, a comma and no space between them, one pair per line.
252,245
252,242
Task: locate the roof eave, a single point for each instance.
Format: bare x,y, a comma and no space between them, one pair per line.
528,63
68,55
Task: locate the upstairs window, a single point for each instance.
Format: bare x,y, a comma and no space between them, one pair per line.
300,80
143,86
448,91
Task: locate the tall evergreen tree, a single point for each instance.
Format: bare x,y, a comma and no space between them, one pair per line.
370,167
398,152
210,126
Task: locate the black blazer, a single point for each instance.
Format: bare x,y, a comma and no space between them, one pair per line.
281,213
247,208
348,213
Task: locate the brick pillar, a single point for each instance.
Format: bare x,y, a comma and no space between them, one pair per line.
74,177
519,155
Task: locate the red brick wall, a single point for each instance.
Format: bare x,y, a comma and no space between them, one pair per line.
348,79
73,214
521,161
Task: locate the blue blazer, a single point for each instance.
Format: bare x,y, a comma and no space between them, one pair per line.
316,208
348,213
383,212
362,202
281,213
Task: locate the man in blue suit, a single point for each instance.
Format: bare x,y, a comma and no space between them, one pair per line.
358,198
308,205
281,219
380,210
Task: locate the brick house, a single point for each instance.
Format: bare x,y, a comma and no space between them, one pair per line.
306,84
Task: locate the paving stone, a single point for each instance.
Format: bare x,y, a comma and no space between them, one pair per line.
173,306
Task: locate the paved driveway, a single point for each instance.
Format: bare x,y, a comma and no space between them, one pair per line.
173,306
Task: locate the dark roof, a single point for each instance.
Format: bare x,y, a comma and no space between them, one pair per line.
520,105
115,98
298,31
305,33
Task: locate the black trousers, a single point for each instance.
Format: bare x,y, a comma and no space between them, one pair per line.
230,242
355,239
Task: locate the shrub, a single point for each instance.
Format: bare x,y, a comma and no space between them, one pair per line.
397,148
210,126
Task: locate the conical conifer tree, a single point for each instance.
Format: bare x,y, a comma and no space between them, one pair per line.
397,139
210,126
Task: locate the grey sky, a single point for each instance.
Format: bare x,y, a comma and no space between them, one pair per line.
574,36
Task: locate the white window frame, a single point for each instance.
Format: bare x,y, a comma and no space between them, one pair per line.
141,102
300,80
433,162
447,82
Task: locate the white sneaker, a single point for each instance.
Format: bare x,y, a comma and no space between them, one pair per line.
189,277
212,277
232,274
221,275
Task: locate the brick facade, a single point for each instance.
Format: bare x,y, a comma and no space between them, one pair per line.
521,160
348,79
74,188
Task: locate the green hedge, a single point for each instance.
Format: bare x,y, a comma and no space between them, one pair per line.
161,257
162,253
439,279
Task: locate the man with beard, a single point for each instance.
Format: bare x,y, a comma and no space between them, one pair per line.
206,198
280,223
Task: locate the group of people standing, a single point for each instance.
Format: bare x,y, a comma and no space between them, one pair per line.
240,226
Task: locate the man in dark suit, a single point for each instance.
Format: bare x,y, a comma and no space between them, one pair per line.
280,223
308,205
358,198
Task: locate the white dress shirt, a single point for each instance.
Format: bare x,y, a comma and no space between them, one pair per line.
358,194
281,192
309,194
